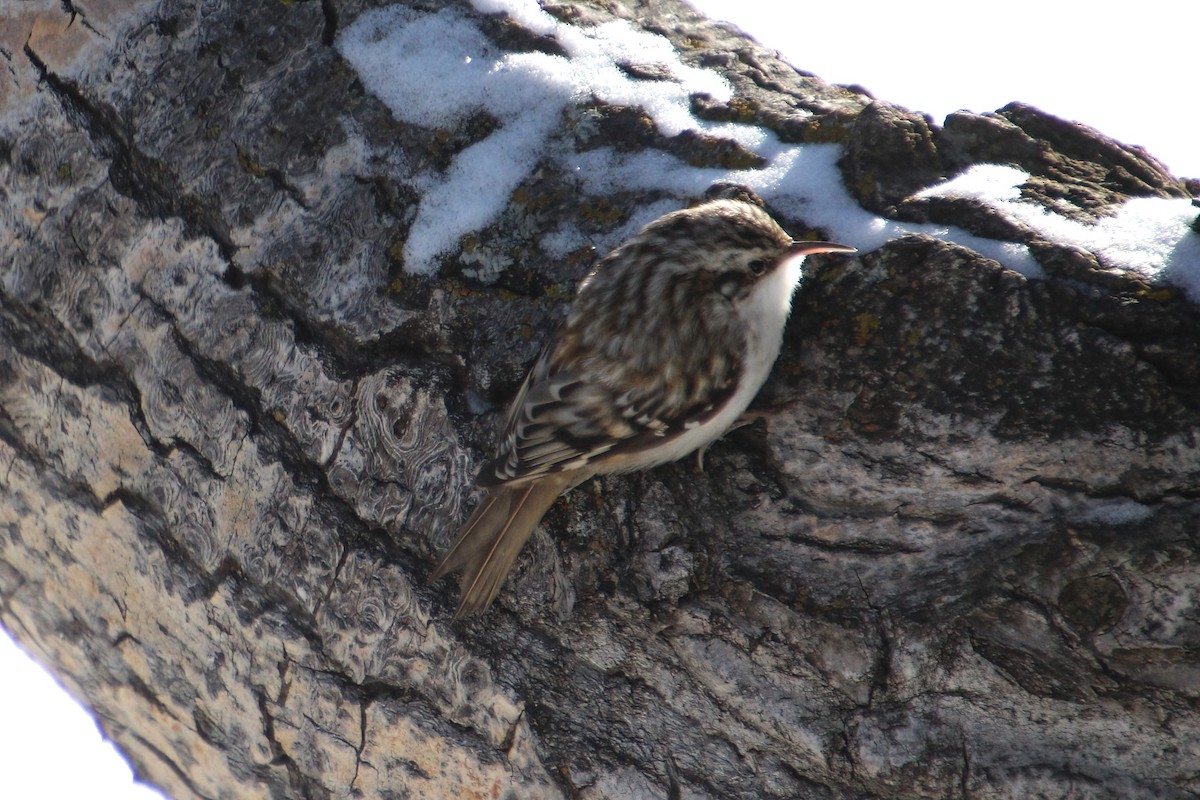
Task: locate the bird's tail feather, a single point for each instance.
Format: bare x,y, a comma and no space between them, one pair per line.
489,542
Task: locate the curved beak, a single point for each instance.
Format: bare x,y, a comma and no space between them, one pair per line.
808,248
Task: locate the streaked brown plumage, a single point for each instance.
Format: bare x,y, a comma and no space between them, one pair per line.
670,337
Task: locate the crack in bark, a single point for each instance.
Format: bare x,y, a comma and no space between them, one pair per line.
274,174
330,30
170,764
147,181
75,13
344,430
57,484
860,546
881,671
333,579
362,740
965,781
332,734
345,356
276,442
305,786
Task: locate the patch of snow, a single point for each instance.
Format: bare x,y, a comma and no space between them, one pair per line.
1150,235
1122,511
400,53
563,240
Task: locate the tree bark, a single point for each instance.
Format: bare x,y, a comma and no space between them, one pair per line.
956,556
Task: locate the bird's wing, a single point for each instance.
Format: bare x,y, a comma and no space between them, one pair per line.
561,420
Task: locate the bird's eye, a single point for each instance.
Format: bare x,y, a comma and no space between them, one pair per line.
758,266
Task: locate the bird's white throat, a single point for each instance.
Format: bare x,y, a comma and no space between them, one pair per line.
765,313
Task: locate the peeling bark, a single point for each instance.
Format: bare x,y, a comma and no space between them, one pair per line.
955,557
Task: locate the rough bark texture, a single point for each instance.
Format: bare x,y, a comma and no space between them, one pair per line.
959,557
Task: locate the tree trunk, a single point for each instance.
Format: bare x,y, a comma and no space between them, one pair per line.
247,372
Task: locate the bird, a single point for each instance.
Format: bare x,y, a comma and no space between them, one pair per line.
669,338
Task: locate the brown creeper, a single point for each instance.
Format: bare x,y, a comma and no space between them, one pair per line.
670,337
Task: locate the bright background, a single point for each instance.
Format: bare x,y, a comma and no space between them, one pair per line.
1127,70
1120,70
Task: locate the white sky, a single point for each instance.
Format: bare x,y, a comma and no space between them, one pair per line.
1125,69
928,57
50,748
